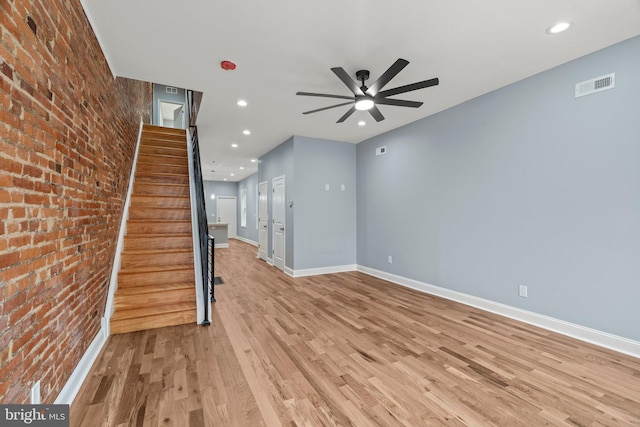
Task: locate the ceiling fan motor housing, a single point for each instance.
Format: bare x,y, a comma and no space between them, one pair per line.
362,75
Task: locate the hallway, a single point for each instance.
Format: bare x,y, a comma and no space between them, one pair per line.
350,349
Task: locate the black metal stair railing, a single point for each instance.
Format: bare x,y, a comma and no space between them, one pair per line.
205,240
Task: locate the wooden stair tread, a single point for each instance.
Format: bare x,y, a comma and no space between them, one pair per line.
156,251
153,288
158,236
130,313
152,322
156,269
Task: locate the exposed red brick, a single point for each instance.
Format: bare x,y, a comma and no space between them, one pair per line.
62,173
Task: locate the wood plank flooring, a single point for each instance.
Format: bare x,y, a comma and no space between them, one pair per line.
351,350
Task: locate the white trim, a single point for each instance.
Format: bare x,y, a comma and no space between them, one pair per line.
322,270
79,374
92,22
113,284
270,261
251,242
593,336
284,221
288,271
195,236
221,245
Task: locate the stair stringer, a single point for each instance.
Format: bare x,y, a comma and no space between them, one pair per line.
113,284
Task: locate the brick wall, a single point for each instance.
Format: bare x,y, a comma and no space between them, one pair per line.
67,136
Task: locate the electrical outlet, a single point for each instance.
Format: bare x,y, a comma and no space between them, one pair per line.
522,291
390,259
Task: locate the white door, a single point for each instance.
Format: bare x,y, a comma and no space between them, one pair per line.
263,221
228,214
278,214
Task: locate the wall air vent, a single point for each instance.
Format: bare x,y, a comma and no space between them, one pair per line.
598,84
172,90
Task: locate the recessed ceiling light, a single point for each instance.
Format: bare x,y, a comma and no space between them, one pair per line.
231,174
253,160
234,145
558,28
224,179
241,103
241,167
246,132
362,123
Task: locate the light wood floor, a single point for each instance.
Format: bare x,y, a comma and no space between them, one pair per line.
351,350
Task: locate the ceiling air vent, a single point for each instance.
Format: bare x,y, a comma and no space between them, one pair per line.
598,84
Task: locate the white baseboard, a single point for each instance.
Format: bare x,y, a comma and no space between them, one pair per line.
593,336
72,386
288,271
270,261
323,270
251,242
221,245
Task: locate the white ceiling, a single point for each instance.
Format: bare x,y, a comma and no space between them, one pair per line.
284,46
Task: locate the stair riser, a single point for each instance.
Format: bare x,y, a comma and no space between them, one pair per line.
136,260
163,160
163,151
168,243
125,302
159,202
145,279
159,178
160,214
158,228
143,168
141,188
172,145
152,322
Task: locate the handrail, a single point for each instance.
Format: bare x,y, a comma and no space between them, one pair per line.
203,225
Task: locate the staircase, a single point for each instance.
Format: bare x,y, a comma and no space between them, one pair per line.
156,282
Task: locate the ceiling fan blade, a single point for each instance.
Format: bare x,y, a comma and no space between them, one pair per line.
342,75
376,114
324,95
408,88
398,102
387,76
328,108
347,114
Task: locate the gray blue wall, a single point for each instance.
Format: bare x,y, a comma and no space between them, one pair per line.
250,232
160,94
325,220
218,188
275,163
525,185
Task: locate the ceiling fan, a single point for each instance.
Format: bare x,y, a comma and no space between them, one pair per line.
368,98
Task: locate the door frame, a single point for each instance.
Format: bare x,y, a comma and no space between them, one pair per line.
161,119
284,221
266,220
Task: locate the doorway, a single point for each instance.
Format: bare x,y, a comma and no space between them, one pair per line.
171,115
278,215
263,221
228,214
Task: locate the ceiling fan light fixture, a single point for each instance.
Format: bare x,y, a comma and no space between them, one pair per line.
364,103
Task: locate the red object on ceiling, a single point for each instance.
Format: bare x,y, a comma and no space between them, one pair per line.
228,65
